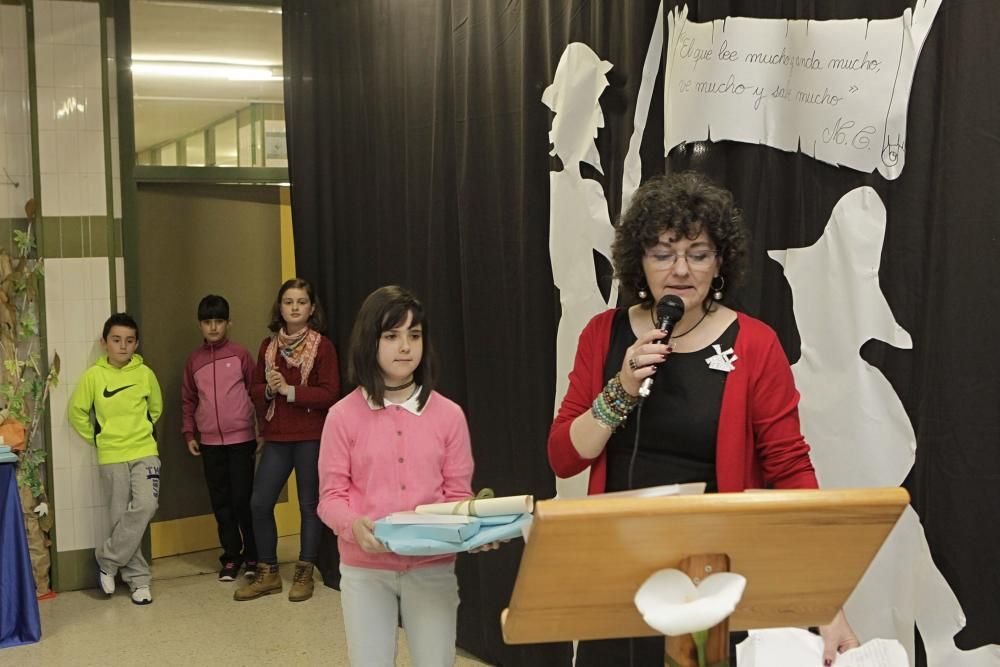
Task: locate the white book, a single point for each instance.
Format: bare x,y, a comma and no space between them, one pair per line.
406,518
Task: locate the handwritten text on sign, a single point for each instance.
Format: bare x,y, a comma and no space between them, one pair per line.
836,90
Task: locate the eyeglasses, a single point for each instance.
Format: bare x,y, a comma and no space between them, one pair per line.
697,260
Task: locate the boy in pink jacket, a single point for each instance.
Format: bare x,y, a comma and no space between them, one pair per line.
218,426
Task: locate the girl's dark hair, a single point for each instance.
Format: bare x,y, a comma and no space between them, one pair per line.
213,307
317,321
384,309
684,204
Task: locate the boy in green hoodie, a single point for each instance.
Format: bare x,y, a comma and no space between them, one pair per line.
126,402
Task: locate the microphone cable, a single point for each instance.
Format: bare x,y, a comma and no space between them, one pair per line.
635,441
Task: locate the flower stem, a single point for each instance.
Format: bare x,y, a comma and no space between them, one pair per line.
700,639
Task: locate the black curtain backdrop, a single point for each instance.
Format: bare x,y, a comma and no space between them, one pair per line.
419,155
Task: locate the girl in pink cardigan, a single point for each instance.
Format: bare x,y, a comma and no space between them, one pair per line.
390,445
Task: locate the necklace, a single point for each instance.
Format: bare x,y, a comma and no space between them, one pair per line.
652,316
410,383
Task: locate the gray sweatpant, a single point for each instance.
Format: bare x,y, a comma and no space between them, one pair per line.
131,491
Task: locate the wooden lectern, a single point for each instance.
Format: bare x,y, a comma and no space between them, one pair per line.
802,552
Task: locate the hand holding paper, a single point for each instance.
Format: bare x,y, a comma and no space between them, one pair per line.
794,647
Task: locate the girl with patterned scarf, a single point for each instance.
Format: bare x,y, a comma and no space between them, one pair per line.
295,383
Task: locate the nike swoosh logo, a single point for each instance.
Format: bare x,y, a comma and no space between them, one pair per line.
109,394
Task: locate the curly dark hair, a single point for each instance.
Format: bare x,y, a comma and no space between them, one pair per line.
684,203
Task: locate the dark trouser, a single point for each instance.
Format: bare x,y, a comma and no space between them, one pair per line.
638,652
229,473
276,464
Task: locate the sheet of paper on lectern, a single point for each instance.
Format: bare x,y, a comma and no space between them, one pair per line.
688,489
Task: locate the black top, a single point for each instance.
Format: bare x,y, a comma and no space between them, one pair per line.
680,418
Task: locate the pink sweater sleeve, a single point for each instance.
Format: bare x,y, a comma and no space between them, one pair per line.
456,470
335,477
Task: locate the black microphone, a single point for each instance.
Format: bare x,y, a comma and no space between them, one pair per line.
669,311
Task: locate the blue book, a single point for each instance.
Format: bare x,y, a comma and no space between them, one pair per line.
455,533
412,544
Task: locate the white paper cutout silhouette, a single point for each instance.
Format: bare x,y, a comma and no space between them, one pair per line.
858,430
579,80
579,222
632,172
836,90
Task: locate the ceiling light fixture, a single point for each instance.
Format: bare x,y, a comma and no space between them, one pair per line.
185,58
190,70
187,4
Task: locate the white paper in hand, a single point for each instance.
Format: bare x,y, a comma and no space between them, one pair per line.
794,647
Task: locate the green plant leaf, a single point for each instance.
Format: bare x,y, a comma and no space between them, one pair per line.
29,325
23,240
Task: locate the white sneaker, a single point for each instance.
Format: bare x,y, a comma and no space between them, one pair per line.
106,581
141,595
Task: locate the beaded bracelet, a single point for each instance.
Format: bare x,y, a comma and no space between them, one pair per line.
620,399
604,415
613,405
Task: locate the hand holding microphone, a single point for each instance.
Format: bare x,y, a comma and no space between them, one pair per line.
669,311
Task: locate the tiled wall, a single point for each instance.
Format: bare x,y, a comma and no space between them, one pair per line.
116,174
71,142
15,128
76,306
77,240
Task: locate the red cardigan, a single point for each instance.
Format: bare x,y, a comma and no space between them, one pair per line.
759,443
303,419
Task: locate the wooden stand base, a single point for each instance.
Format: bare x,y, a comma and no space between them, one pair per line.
681,651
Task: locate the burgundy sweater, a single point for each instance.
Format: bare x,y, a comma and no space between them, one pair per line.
759,443
302,419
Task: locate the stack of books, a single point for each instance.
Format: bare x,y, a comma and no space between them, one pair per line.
454,527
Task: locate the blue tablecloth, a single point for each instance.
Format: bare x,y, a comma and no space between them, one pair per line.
19,622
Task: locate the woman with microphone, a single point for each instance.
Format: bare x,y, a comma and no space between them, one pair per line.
722,407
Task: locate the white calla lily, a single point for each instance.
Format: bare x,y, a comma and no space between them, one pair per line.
670,602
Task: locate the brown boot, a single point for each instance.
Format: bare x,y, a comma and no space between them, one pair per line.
302,582
266,581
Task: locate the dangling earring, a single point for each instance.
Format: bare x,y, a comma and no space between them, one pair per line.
717,288
643,293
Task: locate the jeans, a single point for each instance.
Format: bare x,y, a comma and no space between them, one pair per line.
276,464
373,601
